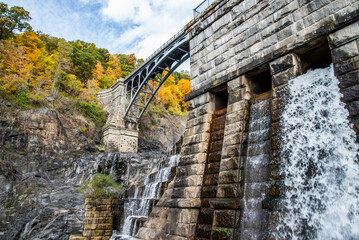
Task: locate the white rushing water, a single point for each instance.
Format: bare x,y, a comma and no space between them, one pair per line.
320,159
256,166
137,207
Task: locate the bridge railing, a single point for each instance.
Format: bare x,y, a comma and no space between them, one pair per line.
202,6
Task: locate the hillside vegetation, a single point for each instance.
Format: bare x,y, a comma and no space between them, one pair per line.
37,69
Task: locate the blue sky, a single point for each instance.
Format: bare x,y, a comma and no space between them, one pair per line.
121,26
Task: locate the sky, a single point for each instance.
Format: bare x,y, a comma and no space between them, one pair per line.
121,26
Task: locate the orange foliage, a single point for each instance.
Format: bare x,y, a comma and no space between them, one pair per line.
39,66
170,95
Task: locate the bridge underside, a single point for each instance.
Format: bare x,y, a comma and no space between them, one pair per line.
142,85
128,98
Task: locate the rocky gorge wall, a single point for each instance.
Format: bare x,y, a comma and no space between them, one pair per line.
45,155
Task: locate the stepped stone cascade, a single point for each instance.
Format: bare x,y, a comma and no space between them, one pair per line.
210,178
255,190
142,197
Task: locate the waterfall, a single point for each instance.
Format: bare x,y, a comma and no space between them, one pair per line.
137,207
320,162
253,221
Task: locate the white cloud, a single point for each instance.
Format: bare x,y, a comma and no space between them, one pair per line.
151,23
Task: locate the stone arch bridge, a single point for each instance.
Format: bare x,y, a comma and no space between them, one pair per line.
128,98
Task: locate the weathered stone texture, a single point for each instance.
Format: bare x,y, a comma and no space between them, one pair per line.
175,215
237,36
227,42
344,45
279,96
119,135
98,222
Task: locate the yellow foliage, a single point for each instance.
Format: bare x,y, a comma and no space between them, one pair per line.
89,93
98,72
170,95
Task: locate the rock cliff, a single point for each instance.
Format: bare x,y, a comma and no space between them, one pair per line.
45,154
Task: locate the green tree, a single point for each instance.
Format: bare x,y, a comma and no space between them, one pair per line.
13,19
128,63
85,56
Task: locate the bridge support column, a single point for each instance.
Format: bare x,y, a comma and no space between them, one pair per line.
120,135
120,139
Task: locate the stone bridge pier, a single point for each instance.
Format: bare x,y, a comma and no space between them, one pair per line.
120,135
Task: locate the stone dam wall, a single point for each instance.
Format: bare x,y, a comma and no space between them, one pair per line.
242,52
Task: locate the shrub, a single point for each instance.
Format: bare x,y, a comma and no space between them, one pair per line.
21,99
94,112
101,186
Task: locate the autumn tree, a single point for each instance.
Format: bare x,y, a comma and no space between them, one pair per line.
13,19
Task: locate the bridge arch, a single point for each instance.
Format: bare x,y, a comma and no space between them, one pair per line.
140,84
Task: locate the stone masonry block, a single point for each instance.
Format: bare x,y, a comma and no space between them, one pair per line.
181,229
234,139
220,233
201,110
283,77
186,192
193,180
228,190
344,35
349,79
200,100
195,169
347,66
107,220
236,127
91,233
198,138
353,108
233,151
235,84
229,176
283,63
350,93
236,95
96,214
199,120
345,52
155,222
195,148
98,226
224,218
237,107
211,179
276,114
232,163
241,115
199,158
197,129
187,215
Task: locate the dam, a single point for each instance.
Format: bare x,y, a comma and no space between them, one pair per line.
273,112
